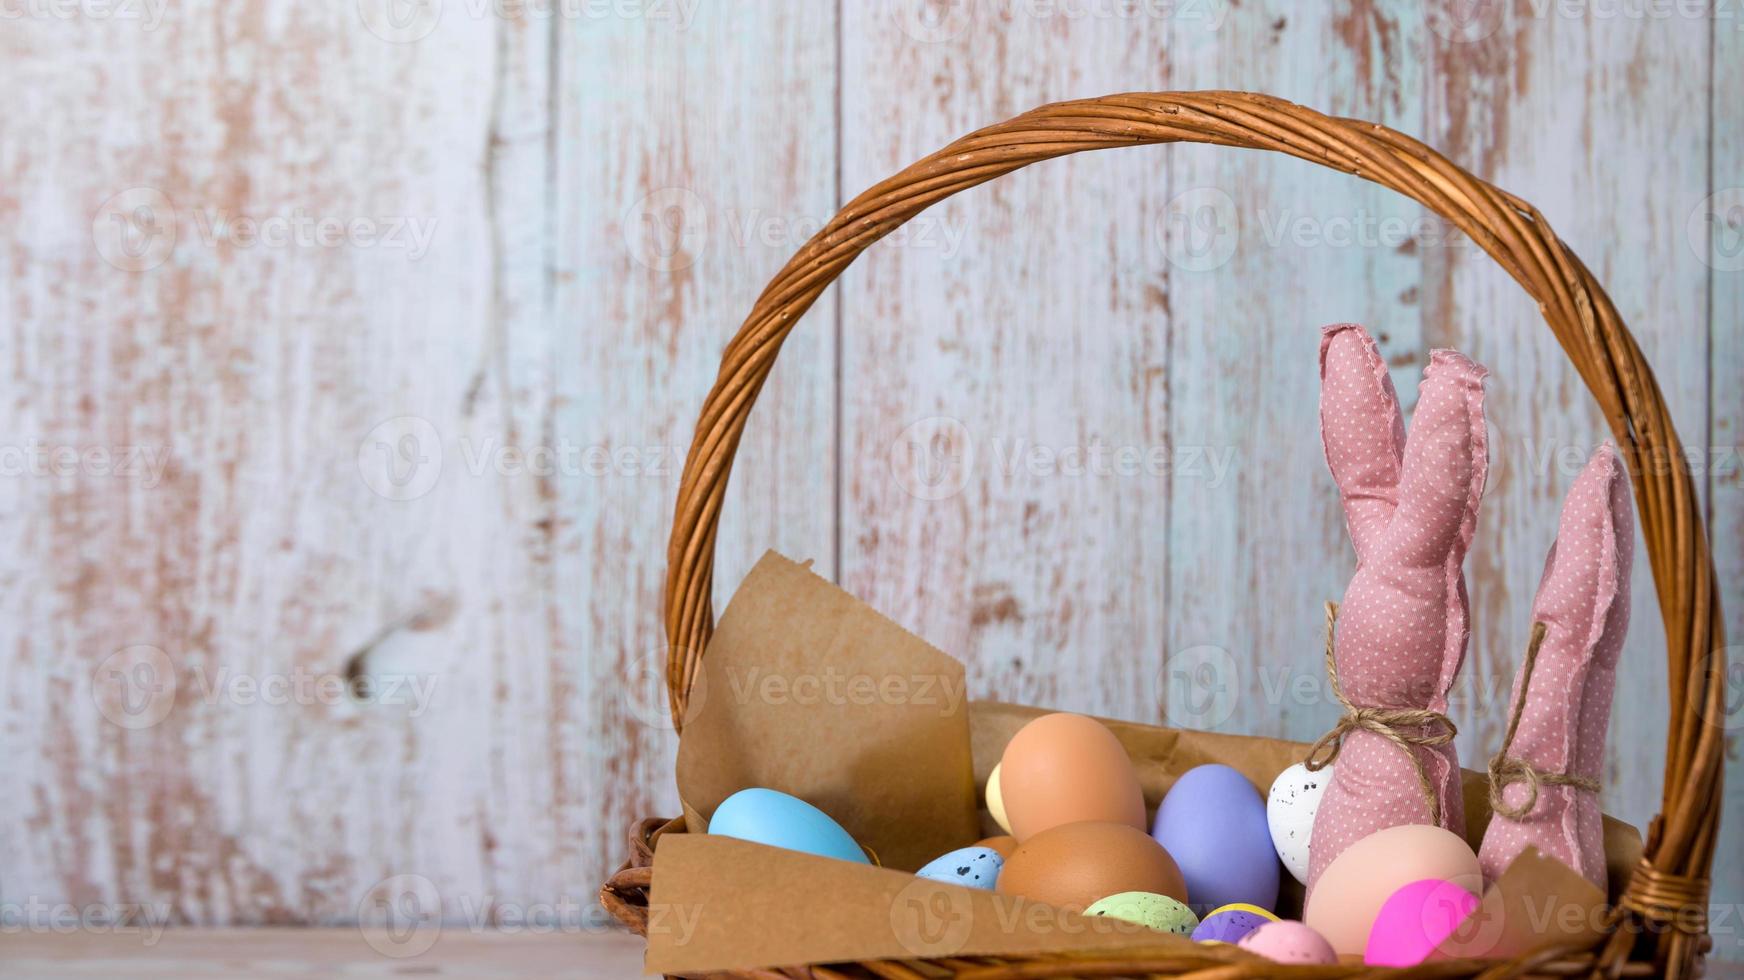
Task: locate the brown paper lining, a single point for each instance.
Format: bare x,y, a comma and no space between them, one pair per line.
903,769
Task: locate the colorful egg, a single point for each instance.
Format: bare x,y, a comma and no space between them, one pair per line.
1290,809
1213,824
1075,865
779,820
1061,769
1348,895
996,801
1289,942
1415,920
1231,922
976,867
1159,912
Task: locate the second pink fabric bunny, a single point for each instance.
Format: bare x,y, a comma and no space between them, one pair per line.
1411,507
1583,602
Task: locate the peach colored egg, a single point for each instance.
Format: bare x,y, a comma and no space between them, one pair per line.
1063,768
1075,865
1351,891
1003,844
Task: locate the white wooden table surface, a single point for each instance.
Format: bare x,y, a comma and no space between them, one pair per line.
295,952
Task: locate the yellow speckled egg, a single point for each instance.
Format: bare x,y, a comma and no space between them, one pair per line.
996,801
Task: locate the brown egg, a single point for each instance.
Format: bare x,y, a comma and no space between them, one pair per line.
1075,865
1065,768
1003,844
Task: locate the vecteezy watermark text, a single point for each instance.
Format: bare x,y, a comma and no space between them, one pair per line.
403,458
138,229
934,459
933,21
142,464
403,916
1359,229
670,228
137,687
1469,21
836,687
38,916
407,21
301,686
300,228
148,14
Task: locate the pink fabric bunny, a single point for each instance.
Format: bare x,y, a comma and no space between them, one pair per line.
1411,506
1583,602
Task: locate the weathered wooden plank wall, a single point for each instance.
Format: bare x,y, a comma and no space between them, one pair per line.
1245,373
437,447
170,291
693,157
445,463
1020,316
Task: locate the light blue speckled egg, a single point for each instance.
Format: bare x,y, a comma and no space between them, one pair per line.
976,867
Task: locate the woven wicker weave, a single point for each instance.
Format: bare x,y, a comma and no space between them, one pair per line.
1660,927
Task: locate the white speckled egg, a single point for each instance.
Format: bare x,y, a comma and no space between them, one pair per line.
976,867
1290,808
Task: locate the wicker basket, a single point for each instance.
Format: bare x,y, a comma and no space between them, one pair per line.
1660,925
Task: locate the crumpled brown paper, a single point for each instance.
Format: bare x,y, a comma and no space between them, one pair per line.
809,691
805,689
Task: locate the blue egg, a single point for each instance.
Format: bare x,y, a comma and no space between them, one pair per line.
977,867
769,817
1213,823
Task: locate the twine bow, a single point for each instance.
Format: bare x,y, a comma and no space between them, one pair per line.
1506,770
1404,727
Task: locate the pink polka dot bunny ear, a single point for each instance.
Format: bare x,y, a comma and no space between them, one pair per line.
1410,502
1361,430
1544,781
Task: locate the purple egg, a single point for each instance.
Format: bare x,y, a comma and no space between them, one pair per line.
1230,923
1213,823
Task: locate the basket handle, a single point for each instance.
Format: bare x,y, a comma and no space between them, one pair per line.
1512,231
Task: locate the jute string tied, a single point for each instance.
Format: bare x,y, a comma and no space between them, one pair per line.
1506,769
1406,728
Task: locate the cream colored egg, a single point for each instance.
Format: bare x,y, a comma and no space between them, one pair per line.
995,803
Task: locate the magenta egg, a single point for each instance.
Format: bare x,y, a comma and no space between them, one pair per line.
1416,919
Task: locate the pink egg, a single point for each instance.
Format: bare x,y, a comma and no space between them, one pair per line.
1415,919
1289,942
